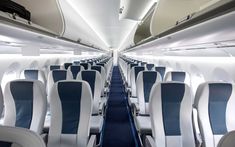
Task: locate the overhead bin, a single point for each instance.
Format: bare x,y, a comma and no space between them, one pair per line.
128,9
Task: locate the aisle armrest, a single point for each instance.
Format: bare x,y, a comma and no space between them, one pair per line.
92,141
135,109
149,142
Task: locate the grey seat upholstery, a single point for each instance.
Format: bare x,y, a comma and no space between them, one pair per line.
227,140
144,84
75,69
214,102
170,109
33,74
25,105
71,109
19,137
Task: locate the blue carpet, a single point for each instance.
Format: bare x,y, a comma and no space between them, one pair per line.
118,130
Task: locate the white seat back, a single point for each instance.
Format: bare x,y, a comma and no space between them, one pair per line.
71,107
15,137
25,105
215,103
171,115
133,76
144,84
93,77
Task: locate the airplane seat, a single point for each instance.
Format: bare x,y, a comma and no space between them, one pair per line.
101,70
214,102
227,140
33,74
93,77
66,65
86,66
129,73
178,76
149,66
133,76
54,67
161,70
75,69
76,62
144,84
19,137
71,109
143,63
170,109
25,104
57,75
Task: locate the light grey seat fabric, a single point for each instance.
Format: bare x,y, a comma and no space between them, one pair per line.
228,140
214,102
19,137
33,74
170,109
144,84
71,109
25,105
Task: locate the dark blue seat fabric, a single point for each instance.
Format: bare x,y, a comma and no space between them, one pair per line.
149,78
133,64
54,67
172,95
138,69
66,65
59,75
97,68
5,144
70,96
161,70
101,64
75,70
76,62
219,95
85,65
31,74
89,76
143,63
178,76
22,93
149,66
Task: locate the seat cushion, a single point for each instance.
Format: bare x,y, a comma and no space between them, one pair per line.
144,124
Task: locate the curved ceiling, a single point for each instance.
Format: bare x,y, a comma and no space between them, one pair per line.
102,16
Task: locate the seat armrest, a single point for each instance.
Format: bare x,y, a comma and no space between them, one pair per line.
149,142
102,106
135,109
92,141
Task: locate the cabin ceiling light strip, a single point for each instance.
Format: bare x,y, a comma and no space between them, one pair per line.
89,24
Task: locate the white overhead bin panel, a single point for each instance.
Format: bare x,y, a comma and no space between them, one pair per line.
128,9
76,27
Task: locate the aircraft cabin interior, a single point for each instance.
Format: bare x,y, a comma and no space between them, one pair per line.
117,73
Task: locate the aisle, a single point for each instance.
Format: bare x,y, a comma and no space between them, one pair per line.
118,129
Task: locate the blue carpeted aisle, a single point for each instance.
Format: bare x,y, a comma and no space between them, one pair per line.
118,129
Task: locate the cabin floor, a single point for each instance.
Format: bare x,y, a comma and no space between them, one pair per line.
119,129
